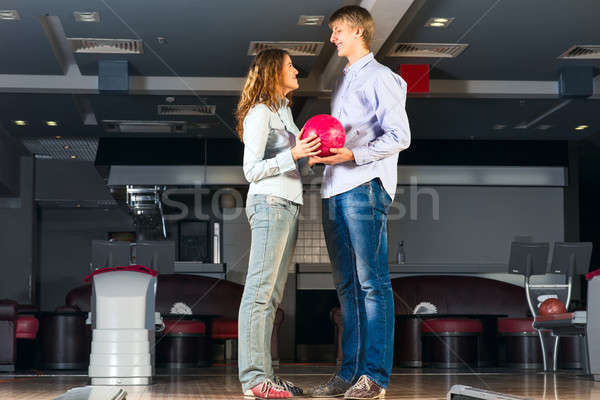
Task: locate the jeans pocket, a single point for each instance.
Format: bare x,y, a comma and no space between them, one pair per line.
279,202
383,198
258,215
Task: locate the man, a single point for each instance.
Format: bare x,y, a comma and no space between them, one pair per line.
359,183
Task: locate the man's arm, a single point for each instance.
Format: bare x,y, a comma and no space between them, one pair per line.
387,94
388,97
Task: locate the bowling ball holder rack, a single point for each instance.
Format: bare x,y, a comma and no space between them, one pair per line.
568,259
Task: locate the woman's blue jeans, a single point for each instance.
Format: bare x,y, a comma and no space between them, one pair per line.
274,225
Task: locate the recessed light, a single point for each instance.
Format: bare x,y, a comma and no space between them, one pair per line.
58,137
20,122
311,20
581,127
9,15
73,157
86,16
51,123
438,22
66,147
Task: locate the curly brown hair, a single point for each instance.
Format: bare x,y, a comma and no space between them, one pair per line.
262,85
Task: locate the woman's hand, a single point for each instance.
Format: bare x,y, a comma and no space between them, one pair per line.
306,147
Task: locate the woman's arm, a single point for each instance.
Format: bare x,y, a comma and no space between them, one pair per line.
256,132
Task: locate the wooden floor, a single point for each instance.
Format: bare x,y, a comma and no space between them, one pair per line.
220,382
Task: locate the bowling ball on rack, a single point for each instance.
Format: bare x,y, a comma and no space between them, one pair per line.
328,129
552,306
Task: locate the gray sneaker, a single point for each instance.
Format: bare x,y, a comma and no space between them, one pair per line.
334,387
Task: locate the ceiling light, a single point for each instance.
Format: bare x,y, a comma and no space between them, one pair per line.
20,122
311,20
51,123
67,147
581,127
498,127
86,16
73,157
9,15
439,22
58,137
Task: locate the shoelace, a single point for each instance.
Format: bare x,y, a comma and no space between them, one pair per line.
363,383
268,385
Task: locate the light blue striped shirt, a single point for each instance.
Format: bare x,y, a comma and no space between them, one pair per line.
369,100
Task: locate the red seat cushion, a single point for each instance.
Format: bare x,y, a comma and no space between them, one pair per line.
27,327
555,317
225,329
516,325
174,326
451,325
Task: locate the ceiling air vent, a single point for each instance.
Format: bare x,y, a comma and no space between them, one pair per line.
187,109
107,46
144,126
425,50
294,48
580,52
83,149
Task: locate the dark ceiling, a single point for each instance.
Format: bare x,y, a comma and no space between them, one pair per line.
509,40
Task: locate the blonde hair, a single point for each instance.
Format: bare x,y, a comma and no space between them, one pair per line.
263,85
356,17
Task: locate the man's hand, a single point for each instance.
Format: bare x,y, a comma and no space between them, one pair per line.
340,155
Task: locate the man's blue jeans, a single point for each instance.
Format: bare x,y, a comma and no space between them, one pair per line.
354,223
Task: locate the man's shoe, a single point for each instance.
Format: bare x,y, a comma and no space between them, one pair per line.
365,388
267,390
334,387
289,386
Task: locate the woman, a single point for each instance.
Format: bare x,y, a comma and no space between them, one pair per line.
273,159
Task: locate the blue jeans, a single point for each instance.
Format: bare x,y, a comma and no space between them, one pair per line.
274,225
354,223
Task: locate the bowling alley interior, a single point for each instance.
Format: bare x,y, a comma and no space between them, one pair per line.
125,242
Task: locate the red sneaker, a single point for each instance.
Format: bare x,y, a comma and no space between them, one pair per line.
267,390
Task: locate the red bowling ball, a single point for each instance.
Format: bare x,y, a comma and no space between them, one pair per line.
552,306
329,129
